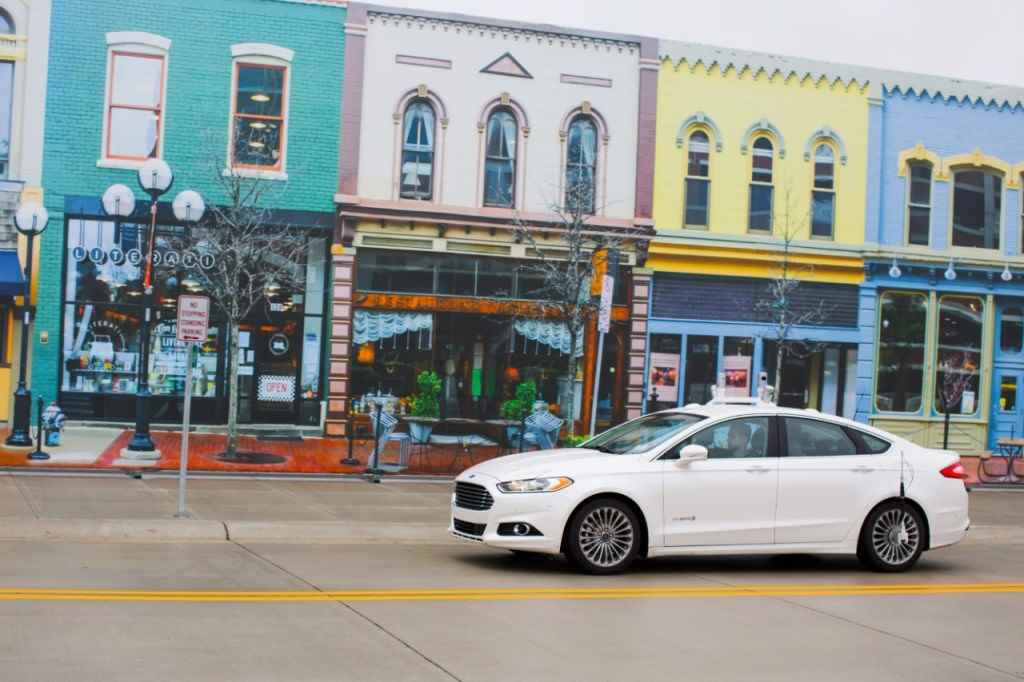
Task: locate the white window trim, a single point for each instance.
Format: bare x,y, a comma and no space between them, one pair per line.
269,55
142,43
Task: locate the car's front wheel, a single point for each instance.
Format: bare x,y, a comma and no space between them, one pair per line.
892,538
604,537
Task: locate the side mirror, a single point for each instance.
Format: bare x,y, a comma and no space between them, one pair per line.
692,453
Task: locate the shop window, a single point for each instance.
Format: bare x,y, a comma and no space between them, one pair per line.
663,384
259,116
581,166
823,195
697,186
418,130
1011,331
958,360
457,276
761,188
1008,394
901,352
701,368
500,161
919,204
977,205
135,105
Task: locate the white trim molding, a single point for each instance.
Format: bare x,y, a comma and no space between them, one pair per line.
763,126
825,134
255,174
246,50
138,38
699,120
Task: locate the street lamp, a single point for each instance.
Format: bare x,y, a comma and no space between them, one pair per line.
30,220
155,178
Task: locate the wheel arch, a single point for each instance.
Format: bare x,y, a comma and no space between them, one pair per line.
910,502
625,499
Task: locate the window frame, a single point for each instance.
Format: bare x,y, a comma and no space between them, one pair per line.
417,100
936,406
582,117
985,171
758,183
773,446
833,191
515,158
1003,311
926,353
278,170
910,205
706,179
137,51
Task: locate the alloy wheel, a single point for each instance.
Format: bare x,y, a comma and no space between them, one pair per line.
895,536
606,536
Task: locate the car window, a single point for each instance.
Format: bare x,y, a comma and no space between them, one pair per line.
813,438
642,434
868,444
736,438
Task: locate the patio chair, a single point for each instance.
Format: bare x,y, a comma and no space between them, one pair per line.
542,429
387,424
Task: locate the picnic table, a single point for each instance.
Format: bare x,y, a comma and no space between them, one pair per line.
1011,449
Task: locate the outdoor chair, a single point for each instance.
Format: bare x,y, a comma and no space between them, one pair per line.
387,424
542,429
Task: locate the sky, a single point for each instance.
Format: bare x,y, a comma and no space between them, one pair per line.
976,40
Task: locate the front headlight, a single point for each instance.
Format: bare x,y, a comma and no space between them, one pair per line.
535,485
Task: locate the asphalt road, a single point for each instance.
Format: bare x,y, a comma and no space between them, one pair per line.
227,611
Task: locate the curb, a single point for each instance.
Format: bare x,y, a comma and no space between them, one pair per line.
195,530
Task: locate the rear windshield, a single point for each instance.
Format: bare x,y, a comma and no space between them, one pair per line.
640,435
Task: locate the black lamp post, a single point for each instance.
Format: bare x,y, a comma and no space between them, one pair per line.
155,178
30,220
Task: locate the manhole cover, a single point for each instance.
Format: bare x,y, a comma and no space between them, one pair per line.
251,458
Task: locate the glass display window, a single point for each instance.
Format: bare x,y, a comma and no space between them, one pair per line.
100,349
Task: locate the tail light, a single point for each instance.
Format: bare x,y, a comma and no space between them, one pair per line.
955,470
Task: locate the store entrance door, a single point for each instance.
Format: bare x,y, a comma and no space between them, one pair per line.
269,370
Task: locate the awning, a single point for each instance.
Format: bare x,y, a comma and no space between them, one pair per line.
12,279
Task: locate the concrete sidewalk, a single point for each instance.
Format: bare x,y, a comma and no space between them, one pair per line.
119,508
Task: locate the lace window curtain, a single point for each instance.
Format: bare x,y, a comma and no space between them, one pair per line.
553,334
370,326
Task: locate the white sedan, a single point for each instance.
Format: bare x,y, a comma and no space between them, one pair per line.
720,479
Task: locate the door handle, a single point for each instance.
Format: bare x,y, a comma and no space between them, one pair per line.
862,469
758,469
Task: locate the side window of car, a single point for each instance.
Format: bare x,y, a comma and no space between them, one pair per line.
813,438
736,438
868,444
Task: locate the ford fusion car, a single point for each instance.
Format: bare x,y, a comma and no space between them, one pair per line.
720,479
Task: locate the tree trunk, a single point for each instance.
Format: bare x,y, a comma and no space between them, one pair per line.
779,354
573,368
233,350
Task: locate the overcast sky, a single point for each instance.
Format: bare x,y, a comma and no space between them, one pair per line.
974,39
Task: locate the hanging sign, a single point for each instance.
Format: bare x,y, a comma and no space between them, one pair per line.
737,375
276,389
604,319
193,318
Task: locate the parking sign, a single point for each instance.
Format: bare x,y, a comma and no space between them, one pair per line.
193,318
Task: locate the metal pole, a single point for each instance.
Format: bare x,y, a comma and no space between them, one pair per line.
597,384
141,440
20,436
38,453
183,466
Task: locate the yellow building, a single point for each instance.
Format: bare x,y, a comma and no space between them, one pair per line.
761,161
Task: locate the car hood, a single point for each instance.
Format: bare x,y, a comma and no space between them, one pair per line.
534,464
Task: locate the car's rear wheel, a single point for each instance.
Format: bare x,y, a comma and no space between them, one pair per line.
892,538
604,537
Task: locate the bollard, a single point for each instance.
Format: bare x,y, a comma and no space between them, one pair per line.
38,453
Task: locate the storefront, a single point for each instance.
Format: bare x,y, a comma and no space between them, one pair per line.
706,331
102,312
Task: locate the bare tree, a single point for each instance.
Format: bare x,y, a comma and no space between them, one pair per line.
780,303
243,260
565,267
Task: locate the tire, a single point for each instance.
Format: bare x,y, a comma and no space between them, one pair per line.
603,537
892,538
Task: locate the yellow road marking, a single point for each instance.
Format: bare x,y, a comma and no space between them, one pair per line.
509,594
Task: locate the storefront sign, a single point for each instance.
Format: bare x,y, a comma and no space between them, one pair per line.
193,318
276,389
279,344
604,318
737,375
665,376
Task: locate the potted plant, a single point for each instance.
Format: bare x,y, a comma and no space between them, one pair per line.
425,407
515,409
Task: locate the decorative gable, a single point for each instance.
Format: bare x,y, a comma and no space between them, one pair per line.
506,65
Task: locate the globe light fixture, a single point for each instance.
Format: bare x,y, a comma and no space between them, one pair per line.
119,201
950,273
31,219
895,271
1006,275
155,177
189,206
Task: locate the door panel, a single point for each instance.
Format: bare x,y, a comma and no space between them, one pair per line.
728,499
1006,406
824,486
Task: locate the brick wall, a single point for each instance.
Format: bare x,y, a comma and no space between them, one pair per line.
197,111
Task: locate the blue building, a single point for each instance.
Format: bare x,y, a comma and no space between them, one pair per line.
942,303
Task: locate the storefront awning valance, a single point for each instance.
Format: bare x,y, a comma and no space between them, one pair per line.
554,334
12,280
370,326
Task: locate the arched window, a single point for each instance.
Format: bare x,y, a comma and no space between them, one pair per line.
823,195
977,206
919,203
581,166
500,162
697,188
6,98
418,151
6,23
762,189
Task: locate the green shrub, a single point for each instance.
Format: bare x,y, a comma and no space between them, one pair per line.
426,402
516,408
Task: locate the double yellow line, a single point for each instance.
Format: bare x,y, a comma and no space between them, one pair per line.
509,594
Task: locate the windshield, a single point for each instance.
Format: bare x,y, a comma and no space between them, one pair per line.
640,435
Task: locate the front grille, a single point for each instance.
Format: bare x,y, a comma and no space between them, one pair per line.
472,496
474,529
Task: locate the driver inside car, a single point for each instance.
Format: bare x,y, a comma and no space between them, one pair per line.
738,441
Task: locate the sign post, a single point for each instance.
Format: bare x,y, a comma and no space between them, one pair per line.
193,325
604,322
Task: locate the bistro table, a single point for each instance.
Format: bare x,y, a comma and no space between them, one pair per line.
1011,449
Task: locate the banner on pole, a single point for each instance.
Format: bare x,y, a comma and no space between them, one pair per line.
604,319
